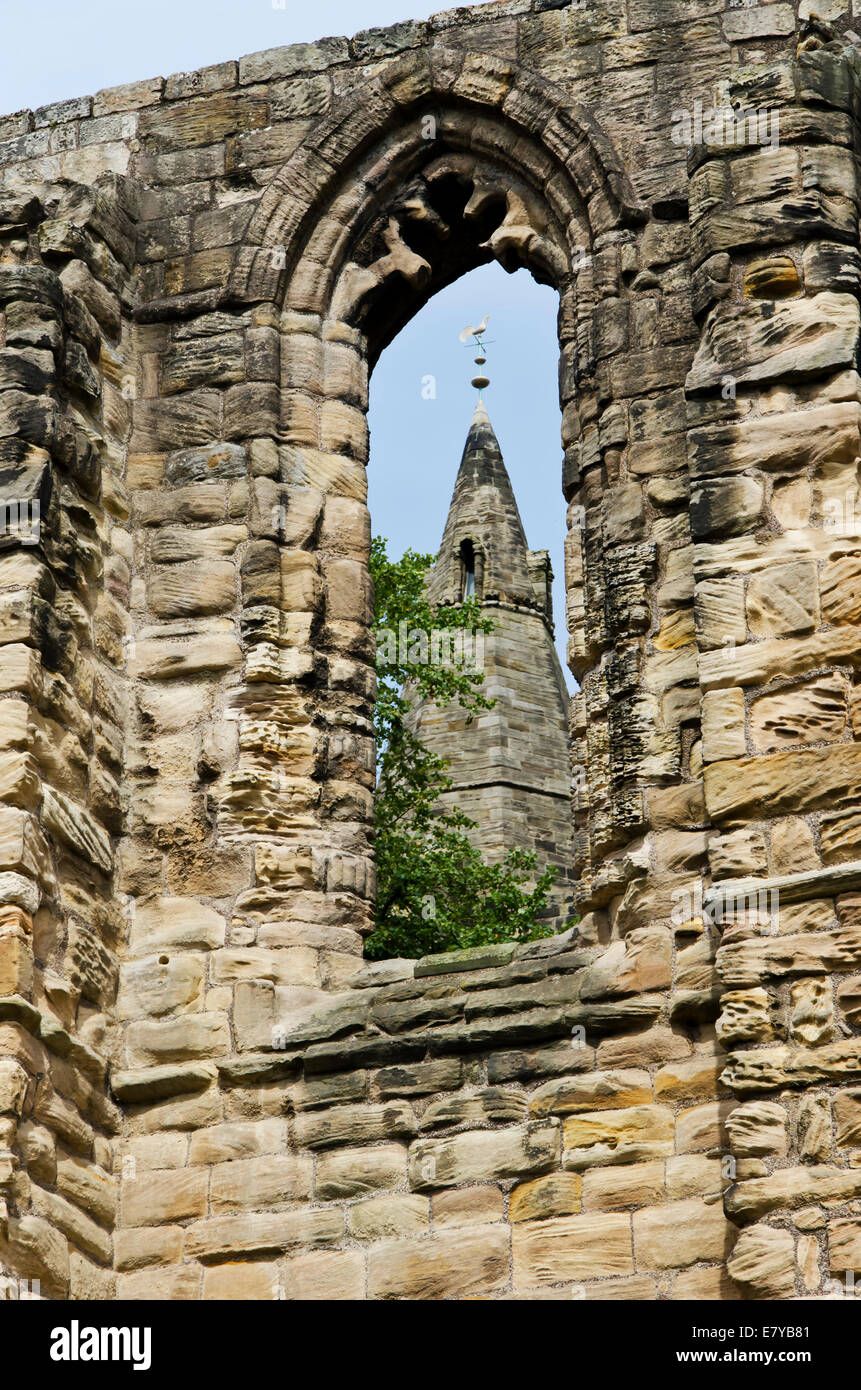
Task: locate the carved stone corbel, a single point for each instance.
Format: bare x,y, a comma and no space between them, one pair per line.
358,281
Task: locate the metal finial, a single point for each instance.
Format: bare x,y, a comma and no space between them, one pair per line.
477,331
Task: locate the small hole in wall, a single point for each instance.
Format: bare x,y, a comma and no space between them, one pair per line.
163,960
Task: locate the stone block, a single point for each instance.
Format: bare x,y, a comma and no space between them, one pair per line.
572,1248
460,1263
679,1234
483,1155
618,1136
356,1172
154,1198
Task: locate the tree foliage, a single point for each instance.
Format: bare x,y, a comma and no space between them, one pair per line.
434,891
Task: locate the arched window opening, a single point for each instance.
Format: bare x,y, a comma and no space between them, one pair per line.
467,570
460,489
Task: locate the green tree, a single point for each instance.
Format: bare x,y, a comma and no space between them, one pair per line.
434,892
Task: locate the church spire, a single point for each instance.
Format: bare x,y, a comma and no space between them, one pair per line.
508,765
484,551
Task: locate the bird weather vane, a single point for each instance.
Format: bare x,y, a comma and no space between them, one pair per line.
477,331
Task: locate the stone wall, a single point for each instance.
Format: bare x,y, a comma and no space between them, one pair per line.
204,1091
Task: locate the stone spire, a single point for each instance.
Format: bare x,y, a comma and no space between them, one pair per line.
509,765
484,525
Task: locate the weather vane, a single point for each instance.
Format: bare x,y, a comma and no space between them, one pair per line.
477,331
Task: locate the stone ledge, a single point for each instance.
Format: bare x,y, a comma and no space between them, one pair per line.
260,1067
472,958
815,883
157,1083
499,953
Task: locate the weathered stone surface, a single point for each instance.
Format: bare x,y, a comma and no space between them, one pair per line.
618,1136
252,1183
814,1129
723,725
223,1142
641,962
814,712
849,999
572,1248
490,1105
696,1078
176,1283
811,1018
322,1275
746,962
182,1039
422,1079
89,1186
452,1263
166,657
467,1206
702,1127
798,781
633,1185
680,1233
775,1067
153,986
161,1198
483,1155
381,1218
783,600
176,923
754,343
356,1172
40,1251
758,1129
790,1188
76,828
655,1045
557,1194
847,1116
237,1282
354,1124
594,1091
844,1246
224,1236
206,587
763,1262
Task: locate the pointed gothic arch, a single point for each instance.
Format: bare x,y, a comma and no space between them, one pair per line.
494,107
445,161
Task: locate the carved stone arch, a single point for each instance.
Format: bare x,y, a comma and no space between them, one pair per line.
516,110
445,162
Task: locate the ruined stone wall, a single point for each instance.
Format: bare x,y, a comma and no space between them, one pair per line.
204,1091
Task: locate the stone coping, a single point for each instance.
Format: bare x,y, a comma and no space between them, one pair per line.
814,883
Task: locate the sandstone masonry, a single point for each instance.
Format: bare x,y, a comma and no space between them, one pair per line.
205,1092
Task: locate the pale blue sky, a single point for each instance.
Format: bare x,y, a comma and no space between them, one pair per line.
51,49
416,444
64,48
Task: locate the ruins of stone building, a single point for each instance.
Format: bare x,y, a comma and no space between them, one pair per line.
204,1091
509,765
